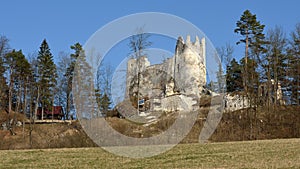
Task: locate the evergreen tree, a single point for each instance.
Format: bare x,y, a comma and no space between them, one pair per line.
98,98
220,79
294,66
103,86
83,89
34,90
78,52
234,76
104,103
18,74
252,77
211,86
23,73
12,60
252,32
46,75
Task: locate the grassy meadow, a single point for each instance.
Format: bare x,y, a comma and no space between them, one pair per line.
279,153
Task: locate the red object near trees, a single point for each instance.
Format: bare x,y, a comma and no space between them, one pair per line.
56,113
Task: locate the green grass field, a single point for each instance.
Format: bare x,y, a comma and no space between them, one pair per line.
284,153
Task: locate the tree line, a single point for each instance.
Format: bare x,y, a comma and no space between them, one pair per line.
271,58
35,81
267,77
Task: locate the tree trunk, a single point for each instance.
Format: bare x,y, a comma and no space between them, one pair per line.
246,62
275,80
37,103
138,85
17,109
10,92
269,101
68,104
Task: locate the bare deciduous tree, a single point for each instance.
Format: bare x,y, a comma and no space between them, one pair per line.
276,61
4,46
62,97
137,44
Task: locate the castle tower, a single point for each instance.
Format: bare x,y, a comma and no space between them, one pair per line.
189,66
203,57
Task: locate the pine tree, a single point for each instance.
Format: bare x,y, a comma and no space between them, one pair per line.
234,80
252,77
78,52
46,75
12,60
83,88
23,73
252,32
254,39
104,103
18,74
294,65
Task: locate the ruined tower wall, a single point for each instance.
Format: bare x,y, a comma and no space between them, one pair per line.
179,78
190,69
133,67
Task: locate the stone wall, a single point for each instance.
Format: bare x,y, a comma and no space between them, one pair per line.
235,102
178,81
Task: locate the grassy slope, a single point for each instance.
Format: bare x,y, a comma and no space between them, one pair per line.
46,136
284,153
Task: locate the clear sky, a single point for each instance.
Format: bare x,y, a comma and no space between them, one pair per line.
64,22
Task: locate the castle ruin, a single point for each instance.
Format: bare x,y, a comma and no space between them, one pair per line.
174,85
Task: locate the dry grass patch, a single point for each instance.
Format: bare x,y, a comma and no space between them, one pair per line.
283,153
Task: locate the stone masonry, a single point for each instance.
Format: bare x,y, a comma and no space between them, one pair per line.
175,84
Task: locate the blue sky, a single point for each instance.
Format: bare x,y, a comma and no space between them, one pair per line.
65,22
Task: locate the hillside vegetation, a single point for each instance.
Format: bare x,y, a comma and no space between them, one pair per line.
279,122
